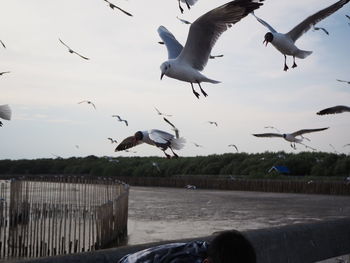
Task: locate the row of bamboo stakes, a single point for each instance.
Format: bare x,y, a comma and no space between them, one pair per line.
49,216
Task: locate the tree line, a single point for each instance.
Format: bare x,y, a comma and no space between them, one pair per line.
236,164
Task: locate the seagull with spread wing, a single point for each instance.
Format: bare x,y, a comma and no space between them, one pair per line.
292,137
334,110
5,113
321,28
233,145
88,102
213,123
285,43
120,119
160,139
114,6
112,140
185,63
72,51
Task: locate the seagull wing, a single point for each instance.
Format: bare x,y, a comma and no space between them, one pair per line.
114,6
81,55
2,43
190,2
127,143
305,25
340,80
5,112
268,135
325,30
205,31
176,130
65,44
300,132
159,137
334,110
93,105
126,122
82,101
264,23
173,46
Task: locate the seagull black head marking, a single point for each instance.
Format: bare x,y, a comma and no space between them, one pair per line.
284,135
138,136
268,38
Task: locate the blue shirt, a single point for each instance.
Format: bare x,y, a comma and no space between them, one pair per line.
192,252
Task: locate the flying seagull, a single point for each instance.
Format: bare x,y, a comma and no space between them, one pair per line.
185,63
120,119
321,28
158,138
285,43
346,81
112,140
188,4
213,122
334,110
4,72
114,6
176,130
72,51
335,150
2,43
197,145
345,145
232,145
88,102
292,137
184,21
160,113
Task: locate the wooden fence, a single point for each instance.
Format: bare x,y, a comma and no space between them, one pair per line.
48,216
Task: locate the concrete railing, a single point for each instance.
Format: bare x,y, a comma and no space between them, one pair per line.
298,243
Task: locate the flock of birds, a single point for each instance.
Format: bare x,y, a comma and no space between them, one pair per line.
185,63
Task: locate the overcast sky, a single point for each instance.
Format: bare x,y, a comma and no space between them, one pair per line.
123,77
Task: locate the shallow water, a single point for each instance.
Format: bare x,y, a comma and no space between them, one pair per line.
157,213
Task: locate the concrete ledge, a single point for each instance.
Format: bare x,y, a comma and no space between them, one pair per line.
298,243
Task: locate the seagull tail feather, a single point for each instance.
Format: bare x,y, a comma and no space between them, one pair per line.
303,54
212,81
5,112
178,143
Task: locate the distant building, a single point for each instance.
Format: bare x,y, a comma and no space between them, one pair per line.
279,169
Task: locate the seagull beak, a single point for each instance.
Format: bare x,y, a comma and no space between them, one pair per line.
161,76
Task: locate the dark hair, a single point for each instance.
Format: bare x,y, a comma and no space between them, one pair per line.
231,247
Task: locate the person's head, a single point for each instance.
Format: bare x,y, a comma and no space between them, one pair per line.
230,247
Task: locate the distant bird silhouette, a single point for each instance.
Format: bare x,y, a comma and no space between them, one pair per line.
4,72
156,166
128,151
120,119
112,140
215,56
157,138
346,145
5,113
114,6
214,123
232,145
320,28
57,156
176,130
72,51
272,127
88,102
184,21
292,137
346,81
160,113
335,150
334,110
2,43
77,146
197,145
349,18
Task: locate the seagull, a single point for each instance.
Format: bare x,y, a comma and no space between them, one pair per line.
120,119
321,28
4,72
184,21
176,130
346,81
160,113
345,145
114,6
197,145
185,63
88,102
5,113
285,43
112,140
335,150
272,127
214,123
158,138
72,51
156,165
291,137
232,145
188,4
2,43
334,110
